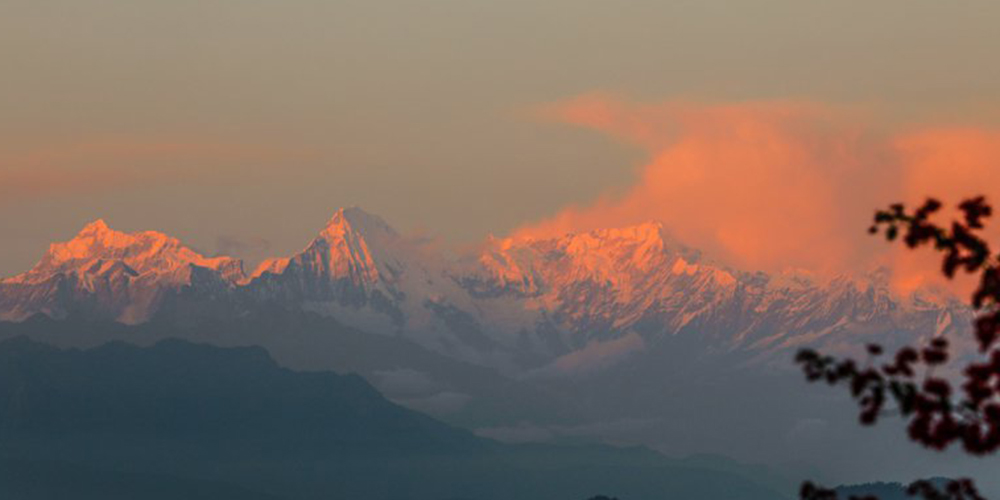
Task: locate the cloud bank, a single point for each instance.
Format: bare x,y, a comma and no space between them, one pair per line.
778,184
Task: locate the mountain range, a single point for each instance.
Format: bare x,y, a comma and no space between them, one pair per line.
551,306
618,335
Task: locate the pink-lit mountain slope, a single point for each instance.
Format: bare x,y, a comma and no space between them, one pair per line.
110,274
554,304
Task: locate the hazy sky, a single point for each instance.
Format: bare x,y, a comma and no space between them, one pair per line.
242,125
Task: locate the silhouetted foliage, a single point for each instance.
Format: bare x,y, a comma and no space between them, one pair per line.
884,490
811,491
961,489
937,414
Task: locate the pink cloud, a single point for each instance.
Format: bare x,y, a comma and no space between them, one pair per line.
773,185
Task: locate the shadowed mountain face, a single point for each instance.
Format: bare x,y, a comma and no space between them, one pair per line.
236,397
118,421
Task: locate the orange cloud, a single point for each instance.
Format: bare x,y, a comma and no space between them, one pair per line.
773,185
954,163
951,164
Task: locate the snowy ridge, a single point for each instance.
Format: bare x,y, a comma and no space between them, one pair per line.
106,273
634,278
98,248
516,304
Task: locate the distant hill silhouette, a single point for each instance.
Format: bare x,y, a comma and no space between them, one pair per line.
180,420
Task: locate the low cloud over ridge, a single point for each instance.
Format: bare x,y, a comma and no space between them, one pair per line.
774,185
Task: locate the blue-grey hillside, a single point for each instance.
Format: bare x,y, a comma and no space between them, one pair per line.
178,416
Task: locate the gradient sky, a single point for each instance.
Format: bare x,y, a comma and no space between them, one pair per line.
241,125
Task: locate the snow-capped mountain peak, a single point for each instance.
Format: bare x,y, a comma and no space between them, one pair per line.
528,299
96,247
354,247
109,273
356,219
609,256
638,247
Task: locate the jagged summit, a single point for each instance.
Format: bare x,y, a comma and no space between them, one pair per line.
640,245
109,273
97,240
354,247
339,252
642,241
356,219
643,231
96,247
97,226
604,255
